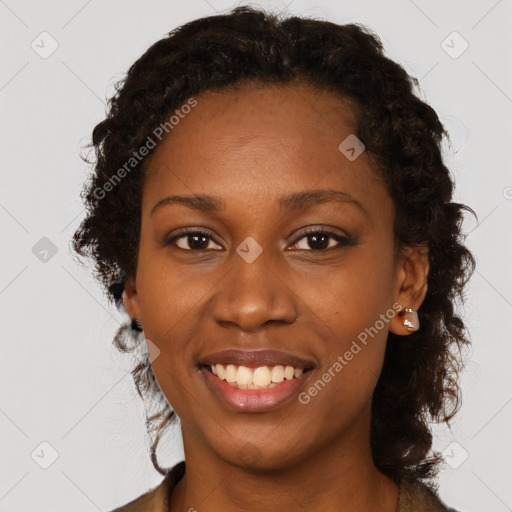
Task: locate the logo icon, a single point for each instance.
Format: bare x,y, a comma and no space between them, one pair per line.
44,45
351,147
454,45
44,250
455,455
249,249
44,455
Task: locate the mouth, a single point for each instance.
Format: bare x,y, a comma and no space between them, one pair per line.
254,389
254,380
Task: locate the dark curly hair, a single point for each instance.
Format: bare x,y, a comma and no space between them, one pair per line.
402,136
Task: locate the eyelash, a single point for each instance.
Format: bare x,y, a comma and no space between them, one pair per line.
342,240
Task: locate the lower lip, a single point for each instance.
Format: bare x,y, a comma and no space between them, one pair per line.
254,400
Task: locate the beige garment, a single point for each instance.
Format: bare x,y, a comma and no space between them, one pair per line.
412,497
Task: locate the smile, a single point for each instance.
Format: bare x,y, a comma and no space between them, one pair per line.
259,389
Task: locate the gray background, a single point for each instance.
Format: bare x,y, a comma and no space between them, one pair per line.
62,383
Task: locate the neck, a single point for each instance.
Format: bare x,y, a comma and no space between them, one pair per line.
339,476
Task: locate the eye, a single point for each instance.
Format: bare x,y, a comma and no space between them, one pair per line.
319,239
195,239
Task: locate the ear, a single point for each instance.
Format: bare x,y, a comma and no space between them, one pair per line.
410,284
131,299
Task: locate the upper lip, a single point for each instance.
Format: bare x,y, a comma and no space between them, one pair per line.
255,358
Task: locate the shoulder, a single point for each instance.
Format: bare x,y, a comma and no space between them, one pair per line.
415,496
151,501
156,499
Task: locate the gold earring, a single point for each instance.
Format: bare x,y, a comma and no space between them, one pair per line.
411,320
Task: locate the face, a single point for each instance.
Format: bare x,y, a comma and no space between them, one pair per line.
267,270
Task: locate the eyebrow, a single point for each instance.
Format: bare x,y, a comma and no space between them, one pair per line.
296,202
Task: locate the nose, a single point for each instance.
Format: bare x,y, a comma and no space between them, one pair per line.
254,294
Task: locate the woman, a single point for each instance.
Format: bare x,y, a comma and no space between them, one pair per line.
270,207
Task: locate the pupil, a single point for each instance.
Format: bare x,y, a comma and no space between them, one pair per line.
195,245
316,237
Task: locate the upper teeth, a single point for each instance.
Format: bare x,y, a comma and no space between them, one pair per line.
261,376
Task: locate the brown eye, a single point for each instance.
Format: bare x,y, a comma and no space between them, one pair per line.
195,240
318,240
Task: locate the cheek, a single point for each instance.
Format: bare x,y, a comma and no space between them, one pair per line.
351,296
352,310
353,350
168,294
164,306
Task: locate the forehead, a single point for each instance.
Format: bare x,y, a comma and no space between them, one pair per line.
297,115
258,141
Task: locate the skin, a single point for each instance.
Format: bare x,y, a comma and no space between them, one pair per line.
251,145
